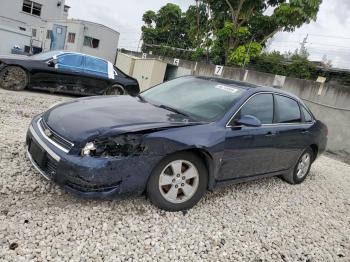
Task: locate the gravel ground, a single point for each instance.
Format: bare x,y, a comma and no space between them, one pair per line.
266,220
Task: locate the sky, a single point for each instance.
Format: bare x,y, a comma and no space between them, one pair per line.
329,36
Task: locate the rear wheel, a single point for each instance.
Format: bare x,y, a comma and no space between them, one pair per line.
13,78
302,168
178,182
115,90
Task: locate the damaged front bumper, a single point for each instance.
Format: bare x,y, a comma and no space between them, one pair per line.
88,176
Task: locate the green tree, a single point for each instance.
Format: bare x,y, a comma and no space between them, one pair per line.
300,67
234,31
170,27
237,22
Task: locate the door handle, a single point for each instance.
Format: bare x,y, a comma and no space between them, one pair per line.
271,134
305,132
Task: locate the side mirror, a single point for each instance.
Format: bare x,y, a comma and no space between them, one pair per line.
248,120
53,62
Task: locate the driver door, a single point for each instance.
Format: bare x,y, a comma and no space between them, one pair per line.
64,76
249,151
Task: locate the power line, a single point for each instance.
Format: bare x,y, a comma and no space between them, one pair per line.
330,36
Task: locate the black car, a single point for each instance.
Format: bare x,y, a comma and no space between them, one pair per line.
65,72
176,141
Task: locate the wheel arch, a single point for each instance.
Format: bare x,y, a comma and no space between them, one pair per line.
208,161
314,148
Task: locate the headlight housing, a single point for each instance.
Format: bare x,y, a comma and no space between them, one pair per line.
120,146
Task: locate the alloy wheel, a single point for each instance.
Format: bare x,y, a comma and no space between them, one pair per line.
303,165
179,181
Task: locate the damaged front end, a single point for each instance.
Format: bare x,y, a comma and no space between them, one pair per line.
125,145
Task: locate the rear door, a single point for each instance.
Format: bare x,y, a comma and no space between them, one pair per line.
70,70
96,75
250,151
294,133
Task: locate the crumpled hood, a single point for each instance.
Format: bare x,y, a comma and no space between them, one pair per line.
82,119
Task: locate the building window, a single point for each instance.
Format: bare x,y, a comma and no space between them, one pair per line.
91,42
34,32
71,38
48,34
31,8
66,8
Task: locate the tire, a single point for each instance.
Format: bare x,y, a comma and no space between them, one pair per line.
13,78
115,90
171,192
301,169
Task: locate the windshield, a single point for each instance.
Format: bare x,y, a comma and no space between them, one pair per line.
46,55
201,99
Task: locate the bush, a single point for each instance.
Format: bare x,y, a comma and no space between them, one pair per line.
272,63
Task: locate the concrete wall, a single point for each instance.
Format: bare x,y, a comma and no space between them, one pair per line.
149,72
126,63
329,103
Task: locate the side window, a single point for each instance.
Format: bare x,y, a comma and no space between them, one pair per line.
95,65
70,60
260,106
287,110
307,115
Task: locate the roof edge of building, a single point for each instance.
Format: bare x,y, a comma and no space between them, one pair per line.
72,20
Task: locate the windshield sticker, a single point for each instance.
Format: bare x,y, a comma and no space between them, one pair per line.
227,88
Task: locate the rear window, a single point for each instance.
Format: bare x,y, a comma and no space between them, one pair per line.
96,65
287,110
307,115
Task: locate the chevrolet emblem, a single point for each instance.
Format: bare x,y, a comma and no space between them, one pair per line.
48,133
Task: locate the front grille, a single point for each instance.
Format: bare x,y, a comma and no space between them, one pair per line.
55,137
42,159
92,189
50,166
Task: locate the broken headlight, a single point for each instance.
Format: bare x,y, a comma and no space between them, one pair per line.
120,146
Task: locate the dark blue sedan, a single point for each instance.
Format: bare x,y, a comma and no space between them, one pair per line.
176,141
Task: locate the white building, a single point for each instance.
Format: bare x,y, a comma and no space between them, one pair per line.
29,17
43,25
83,37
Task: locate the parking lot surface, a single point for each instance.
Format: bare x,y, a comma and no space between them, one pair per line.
265,220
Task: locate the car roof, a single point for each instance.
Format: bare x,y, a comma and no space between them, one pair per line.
77,53
247,86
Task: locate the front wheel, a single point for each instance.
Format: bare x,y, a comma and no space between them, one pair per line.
178,182
13,78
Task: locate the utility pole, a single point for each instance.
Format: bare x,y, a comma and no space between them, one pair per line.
139,45
303,50
197,4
